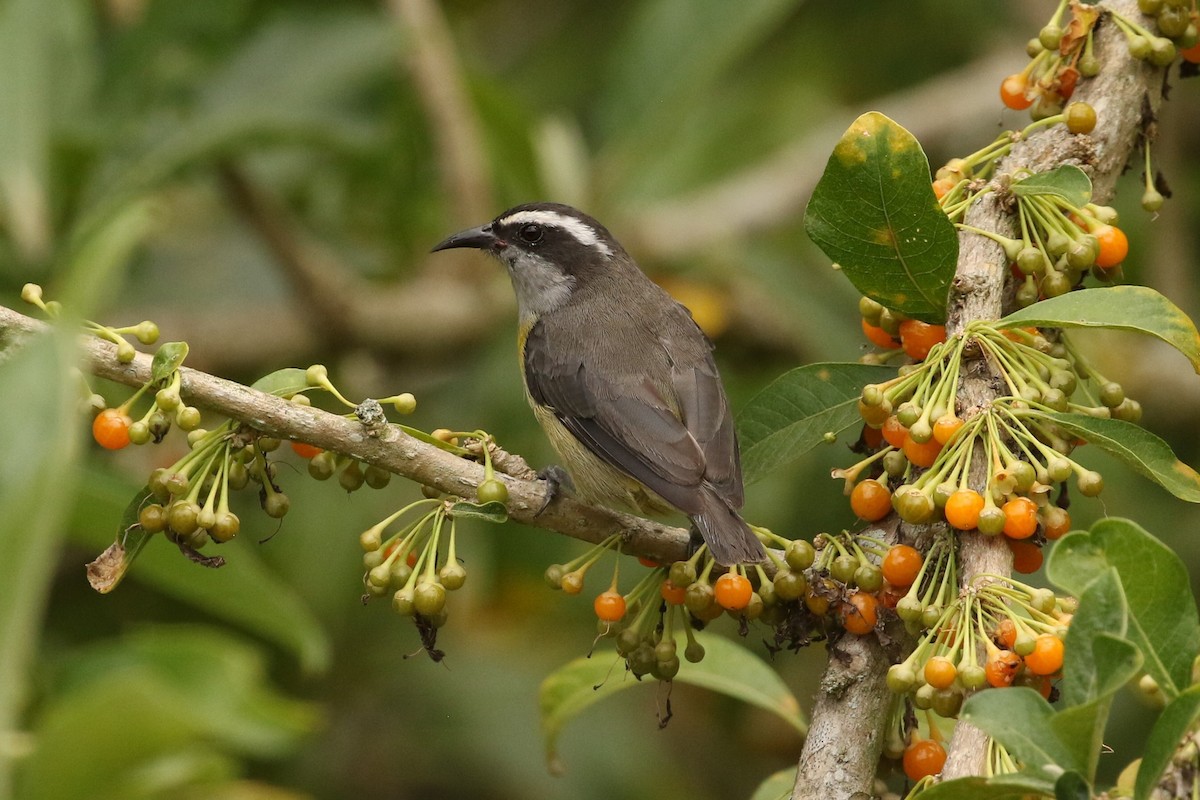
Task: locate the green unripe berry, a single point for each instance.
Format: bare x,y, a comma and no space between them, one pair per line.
789,585
923,697
1140,47
152,518
1025,643
322,466
125,352
1150,7
167,399
139,432
991,521
351,477
921,431
800,555
404,602
1173,20
31,293
843,569
316,375
901,678
429,598
1152,200
972,676
869,578
931,615
699,598
225,527
146,332
1162,51
376,477
869,310
682,574
405,403
187,418
268,444
492,491
182,517
947,702
908,414
1033,48
207,518
666,670
909,609
1090,483
1050,37
453,575
895,464
1129,410
1031,261
913,506
694,652
554,575
276,504
1088,65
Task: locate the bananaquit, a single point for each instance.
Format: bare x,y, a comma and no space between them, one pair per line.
619,375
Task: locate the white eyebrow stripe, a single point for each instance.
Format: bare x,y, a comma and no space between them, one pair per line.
582,232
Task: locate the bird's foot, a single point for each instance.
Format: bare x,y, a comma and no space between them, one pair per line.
695,541
557,480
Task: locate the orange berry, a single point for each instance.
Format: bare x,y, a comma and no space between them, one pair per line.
901,565
110,429
1114,245
860,613
1047,655
411,559
609,606
672,593
893,431
648,562
918,338
1027,556
940,672
922,455
946,427
942,187
872,437
1006,633
962,509
870,500
1020,518
733,591
1056,522
1191,54
923,759
1012,92
1001,667
879,337
305,450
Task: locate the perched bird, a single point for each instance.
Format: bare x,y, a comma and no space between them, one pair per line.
619,375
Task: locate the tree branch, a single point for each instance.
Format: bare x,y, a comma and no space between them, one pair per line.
385,446
1126,96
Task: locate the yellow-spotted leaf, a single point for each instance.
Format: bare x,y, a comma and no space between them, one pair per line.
875,215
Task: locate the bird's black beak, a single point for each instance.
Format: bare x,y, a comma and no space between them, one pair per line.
480,238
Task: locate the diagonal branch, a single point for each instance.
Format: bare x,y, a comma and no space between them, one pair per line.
385,446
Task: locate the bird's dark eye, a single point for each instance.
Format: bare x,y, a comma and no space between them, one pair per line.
530,233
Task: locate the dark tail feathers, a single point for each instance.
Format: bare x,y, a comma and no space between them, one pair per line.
727,535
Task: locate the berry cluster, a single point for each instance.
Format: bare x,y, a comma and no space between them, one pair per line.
919,451
1059,57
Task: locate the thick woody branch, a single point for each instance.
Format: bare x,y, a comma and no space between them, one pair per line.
384,445
1126,95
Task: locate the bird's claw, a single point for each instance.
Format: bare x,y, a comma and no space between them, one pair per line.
557,479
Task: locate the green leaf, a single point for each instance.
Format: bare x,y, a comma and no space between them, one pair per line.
1140,449
282,382
1172,725
493,511
107,571
1072,786
1014,786
38,478
1130,308
1163,620
1102,612
167,359
776,787
1021,720
1067,182
727,668
794,413
874,213
124,706
1081,728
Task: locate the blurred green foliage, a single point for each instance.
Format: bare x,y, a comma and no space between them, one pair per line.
121,124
